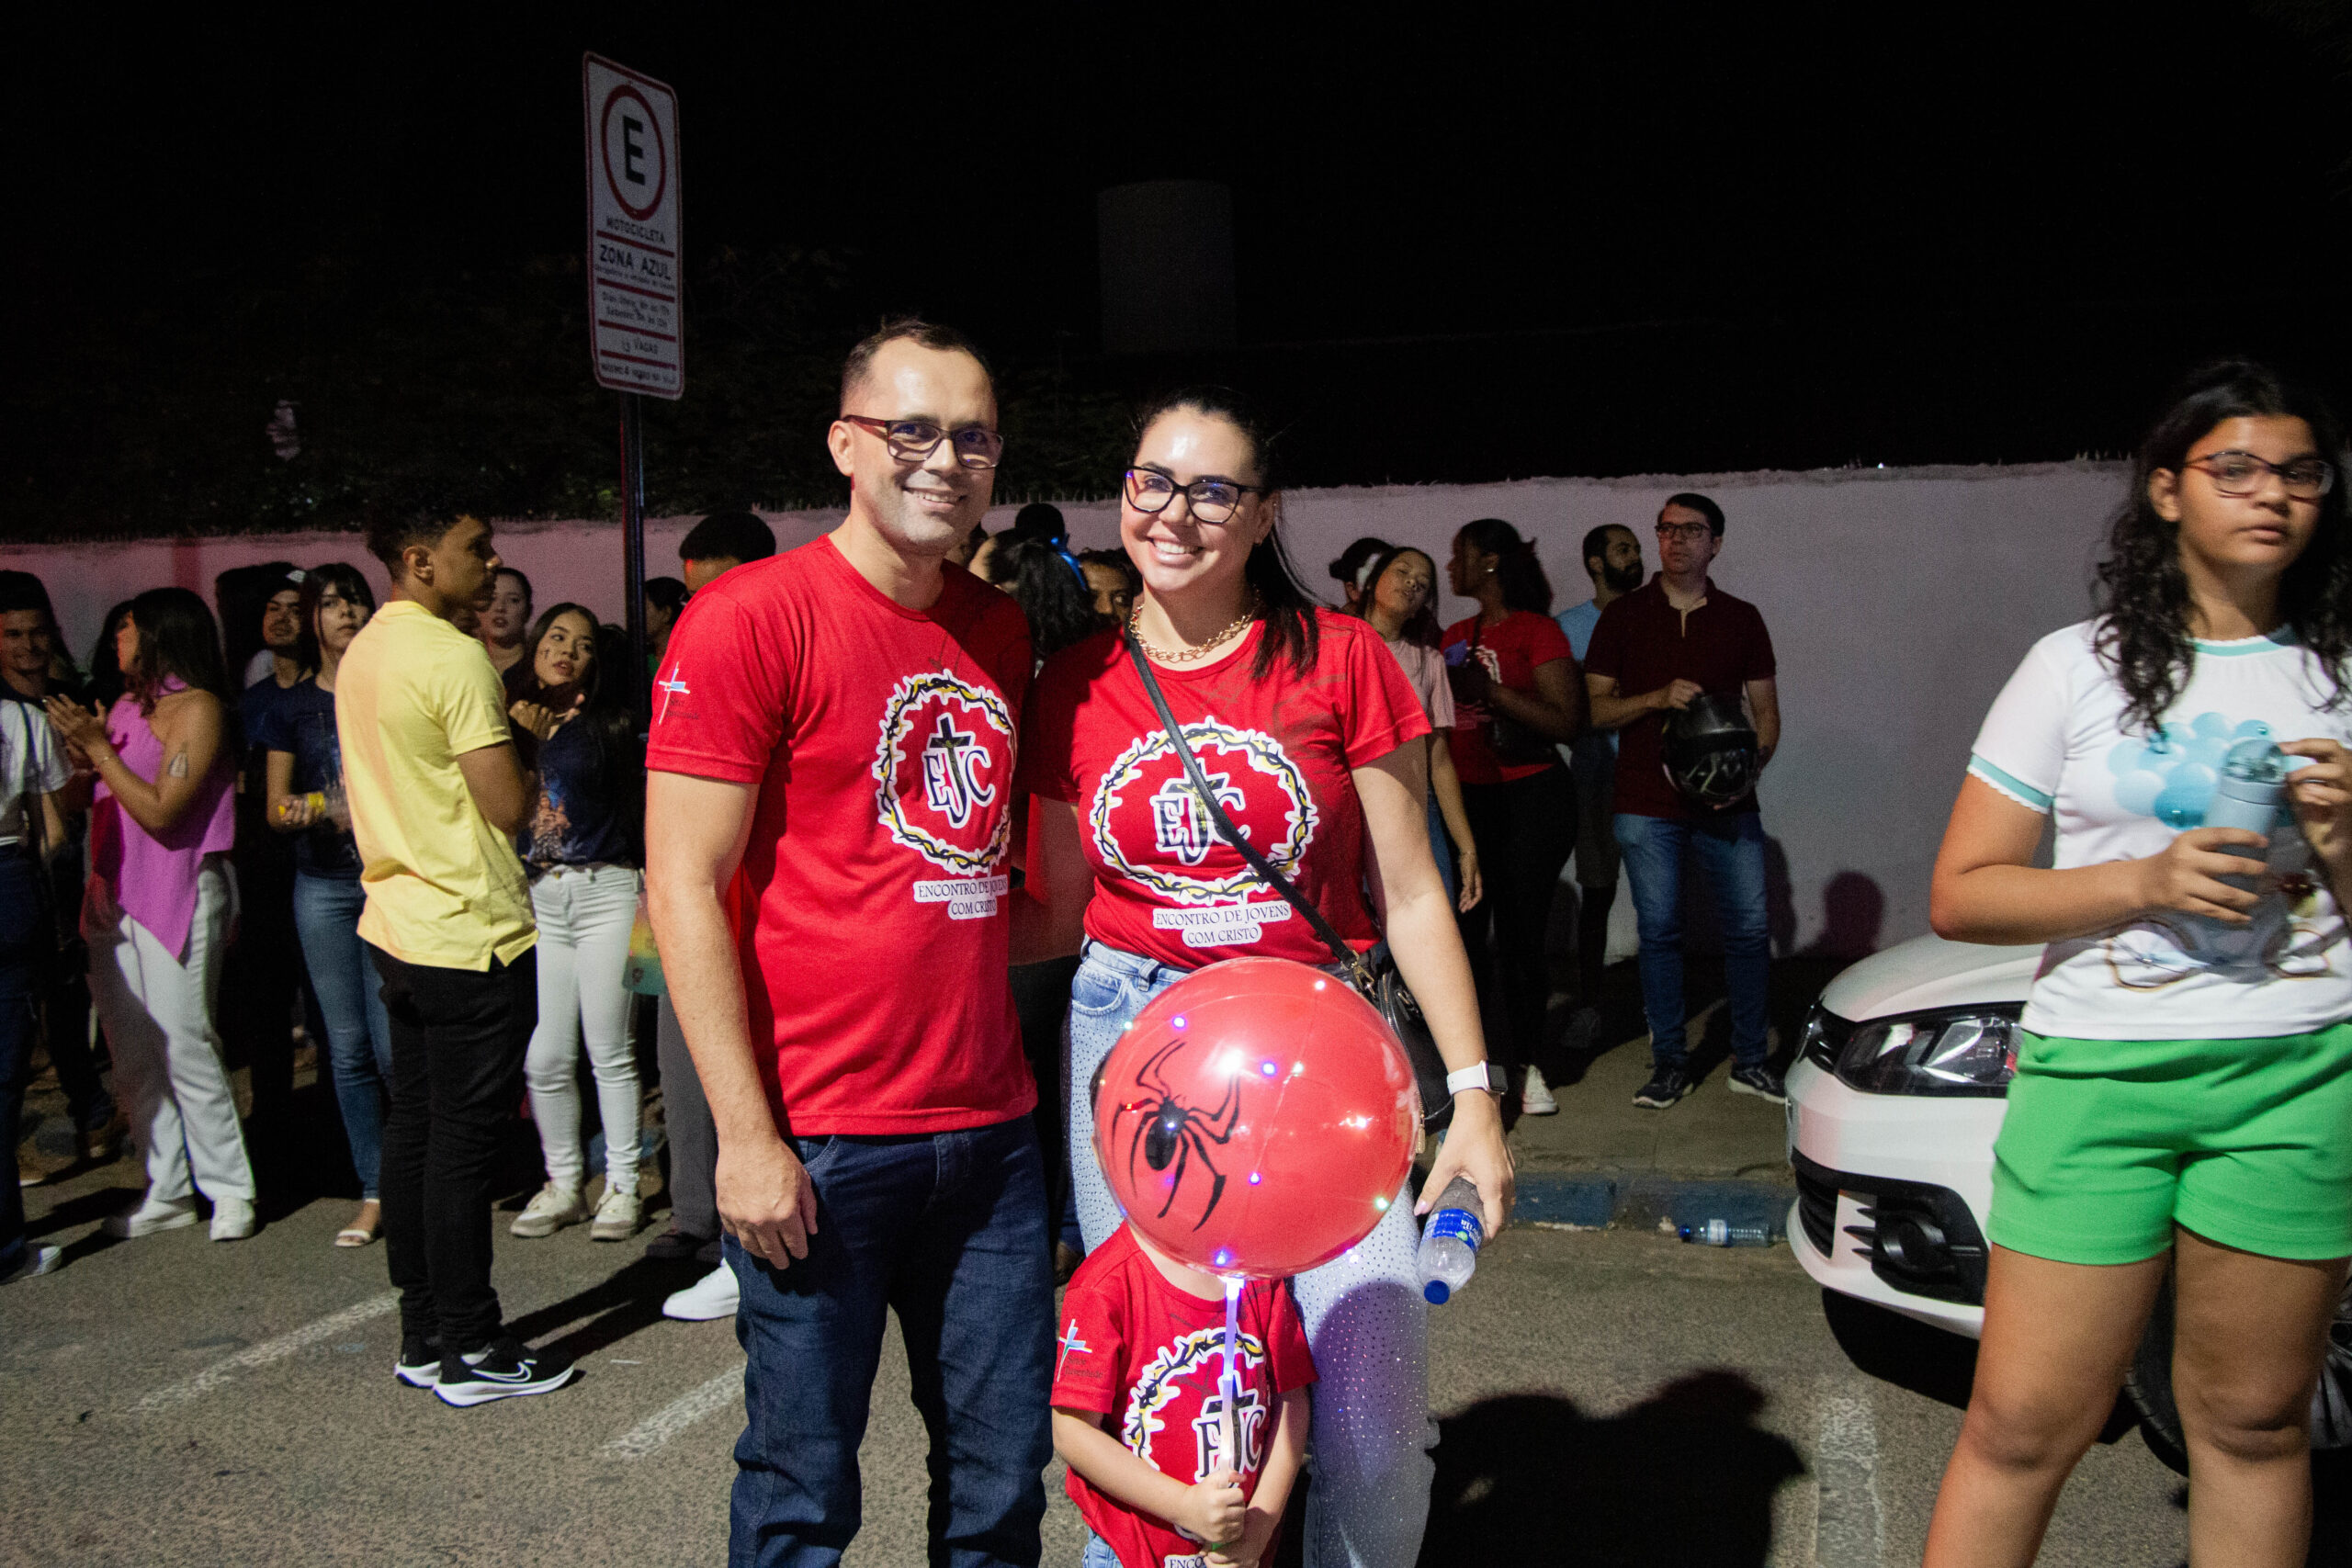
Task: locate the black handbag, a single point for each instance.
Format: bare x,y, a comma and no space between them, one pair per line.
1373,975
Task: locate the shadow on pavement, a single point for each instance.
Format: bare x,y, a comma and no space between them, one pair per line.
1684,1479
610,1312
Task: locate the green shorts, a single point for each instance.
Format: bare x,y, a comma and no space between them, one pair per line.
2108,1144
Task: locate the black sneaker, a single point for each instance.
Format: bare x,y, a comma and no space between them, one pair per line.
507,1369
1760,1081
1666,1085
420,1363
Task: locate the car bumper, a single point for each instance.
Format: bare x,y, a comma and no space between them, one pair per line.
1936,1153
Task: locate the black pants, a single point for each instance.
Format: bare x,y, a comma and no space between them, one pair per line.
458,1037
693,1137
1524,831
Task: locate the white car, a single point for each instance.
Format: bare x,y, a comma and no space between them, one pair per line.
1893,1103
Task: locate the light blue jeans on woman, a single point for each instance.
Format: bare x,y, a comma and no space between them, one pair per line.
359,1036
1366,1323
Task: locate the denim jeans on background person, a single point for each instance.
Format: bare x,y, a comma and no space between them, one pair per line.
948,1229
351,1002
1366,1323
26,946
1731,852
458,1042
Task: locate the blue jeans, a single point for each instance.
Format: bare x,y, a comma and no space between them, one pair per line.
1367,1326
27,950
1441,847
350,993
948,1230
1730,848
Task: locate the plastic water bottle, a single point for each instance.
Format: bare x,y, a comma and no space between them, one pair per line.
2254,776
1723,1233
1450,1245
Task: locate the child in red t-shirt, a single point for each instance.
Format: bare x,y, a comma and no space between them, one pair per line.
1139,1418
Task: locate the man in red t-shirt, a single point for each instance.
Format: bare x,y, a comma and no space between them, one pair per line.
828,811
1655,651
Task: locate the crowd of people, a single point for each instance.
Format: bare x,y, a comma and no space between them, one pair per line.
915,826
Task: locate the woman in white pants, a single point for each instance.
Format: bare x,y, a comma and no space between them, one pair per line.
160,906
579,846
1311,738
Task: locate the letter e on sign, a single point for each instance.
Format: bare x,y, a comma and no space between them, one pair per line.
634,310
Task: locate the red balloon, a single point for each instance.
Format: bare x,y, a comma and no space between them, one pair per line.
1256,1119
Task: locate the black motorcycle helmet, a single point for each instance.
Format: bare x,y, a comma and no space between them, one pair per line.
1711,758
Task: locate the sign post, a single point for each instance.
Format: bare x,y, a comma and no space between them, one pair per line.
635,322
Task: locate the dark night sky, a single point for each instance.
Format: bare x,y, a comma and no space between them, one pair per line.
1660,243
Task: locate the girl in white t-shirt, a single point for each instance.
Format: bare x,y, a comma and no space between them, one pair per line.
2184,1081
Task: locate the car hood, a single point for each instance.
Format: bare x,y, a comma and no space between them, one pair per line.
1928,972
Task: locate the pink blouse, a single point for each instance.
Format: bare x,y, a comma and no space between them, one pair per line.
153,878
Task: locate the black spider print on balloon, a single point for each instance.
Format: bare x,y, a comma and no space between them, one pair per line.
1172,1131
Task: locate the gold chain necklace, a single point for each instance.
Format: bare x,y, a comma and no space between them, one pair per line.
1187,655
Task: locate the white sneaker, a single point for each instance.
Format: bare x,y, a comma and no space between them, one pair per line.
232,1219
39,1260
550,1209
1535,1095
151,1214
713,1295
616,1217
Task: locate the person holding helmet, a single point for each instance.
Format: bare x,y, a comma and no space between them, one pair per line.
1684,673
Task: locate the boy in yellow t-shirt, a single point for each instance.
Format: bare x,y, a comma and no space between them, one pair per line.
436,793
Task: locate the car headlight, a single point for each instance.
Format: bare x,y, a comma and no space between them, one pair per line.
1952,1051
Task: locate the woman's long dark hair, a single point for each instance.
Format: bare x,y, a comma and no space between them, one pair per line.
177,637
1524,585
605,713
2143,592
1423,626
1050,586
107,681
1288,614
344,580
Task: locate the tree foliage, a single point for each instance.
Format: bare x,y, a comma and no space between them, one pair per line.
471,382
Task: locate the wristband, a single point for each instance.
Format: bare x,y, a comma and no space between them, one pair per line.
1481,1075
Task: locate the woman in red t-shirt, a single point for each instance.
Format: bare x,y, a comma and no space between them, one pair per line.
1309,735
1515,696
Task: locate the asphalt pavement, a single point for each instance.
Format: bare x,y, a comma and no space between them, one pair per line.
1605,1397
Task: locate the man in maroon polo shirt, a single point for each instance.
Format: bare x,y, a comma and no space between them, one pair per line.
1655,651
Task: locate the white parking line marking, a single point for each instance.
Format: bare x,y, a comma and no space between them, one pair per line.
648,1436
269,1351
1850,1530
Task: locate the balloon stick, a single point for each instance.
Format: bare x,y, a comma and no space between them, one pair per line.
1230,1384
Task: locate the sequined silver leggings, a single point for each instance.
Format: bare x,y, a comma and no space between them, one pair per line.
1365,1321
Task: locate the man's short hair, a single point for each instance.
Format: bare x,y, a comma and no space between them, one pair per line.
728,535
1595,540
665,593
517,573
909,328
1693,501
21,590
393,526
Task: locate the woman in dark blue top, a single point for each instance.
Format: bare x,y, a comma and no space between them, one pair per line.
579,843
306,800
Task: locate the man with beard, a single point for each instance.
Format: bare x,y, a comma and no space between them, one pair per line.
837,952
1612,558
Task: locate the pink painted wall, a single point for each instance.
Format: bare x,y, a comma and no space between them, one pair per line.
1899,601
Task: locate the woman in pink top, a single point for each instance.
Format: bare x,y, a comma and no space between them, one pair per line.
159,906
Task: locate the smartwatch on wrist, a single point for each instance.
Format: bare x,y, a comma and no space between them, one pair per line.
1483,1075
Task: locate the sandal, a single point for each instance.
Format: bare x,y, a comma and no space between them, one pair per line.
358,1234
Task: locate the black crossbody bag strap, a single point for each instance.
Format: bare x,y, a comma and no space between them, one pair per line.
1324,929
